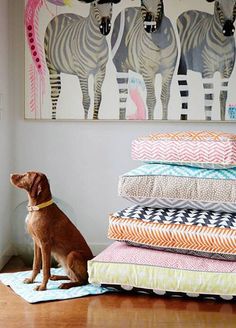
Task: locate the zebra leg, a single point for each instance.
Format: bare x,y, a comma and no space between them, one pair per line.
98,81
122,79
85,95
184,94
151,97
55,83
223,98
165,93
208,97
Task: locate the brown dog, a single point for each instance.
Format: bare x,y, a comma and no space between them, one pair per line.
52,233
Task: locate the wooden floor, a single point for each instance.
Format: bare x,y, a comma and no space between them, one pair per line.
111,311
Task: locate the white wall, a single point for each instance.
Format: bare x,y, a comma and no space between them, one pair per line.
82,159
5,139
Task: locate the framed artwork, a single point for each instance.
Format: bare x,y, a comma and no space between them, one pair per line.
122,60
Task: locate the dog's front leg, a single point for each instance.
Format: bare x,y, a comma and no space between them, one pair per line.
46,263
36,265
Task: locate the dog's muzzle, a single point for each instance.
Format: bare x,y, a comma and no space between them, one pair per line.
105,26
150,24
228,28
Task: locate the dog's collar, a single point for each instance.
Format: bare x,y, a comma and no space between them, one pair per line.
39,206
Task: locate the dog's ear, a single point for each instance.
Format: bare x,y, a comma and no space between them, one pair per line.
36,188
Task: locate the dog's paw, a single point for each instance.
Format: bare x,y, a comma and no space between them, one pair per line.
40,288
28,281
64,286
56,277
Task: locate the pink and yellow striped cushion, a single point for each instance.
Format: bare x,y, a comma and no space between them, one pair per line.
163,273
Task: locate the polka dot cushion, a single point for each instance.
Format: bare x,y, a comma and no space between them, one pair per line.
172,186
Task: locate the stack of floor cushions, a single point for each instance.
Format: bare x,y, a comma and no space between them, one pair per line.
179,237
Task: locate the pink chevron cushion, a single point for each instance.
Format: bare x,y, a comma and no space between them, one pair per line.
195,148
120,252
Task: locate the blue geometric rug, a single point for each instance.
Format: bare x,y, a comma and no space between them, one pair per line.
53,293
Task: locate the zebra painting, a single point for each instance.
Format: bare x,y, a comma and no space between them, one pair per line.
207,46
143,41
77,45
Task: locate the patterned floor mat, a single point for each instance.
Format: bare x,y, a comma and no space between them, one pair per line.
27,292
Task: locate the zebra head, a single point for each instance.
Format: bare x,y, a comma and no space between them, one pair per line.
103,14
225,11
152,13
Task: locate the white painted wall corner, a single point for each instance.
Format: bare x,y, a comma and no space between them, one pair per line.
6,255
98,248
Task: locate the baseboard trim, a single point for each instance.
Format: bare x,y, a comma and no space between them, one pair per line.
6,255
98,248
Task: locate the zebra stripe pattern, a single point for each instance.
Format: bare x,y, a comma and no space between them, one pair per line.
135,49
208,85
75,45
156,18
184,93
122,80
207,46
